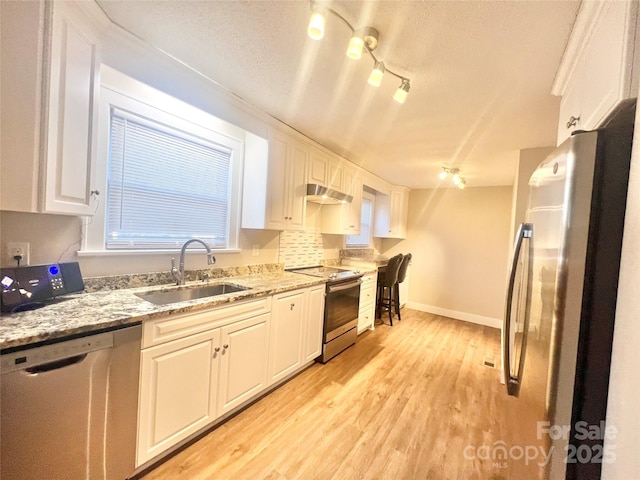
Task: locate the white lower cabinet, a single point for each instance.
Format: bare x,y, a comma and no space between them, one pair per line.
198,367
243,361
312,333
178,390
286,334
367,311
296,330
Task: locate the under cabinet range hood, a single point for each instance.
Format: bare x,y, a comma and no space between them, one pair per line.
319,194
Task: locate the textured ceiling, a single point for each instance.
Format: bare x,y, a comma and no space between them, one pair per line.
481,75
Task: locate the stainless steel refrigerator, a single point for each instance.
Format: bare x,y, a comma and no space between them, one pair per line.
561,300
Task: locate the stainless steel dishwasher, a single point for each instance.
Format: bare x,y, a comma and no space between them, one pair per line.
69,409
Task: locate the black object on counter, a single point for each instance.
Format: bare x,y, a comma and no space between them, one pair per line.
25,287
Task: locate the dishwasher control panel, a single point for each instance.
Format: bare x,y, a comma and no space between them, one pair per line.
54,353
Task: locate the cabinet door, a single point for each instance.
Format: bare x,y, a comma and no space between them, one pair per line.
243,361
354,209
296,191
336,181
314,319
277,214
178,386
318,169
571,116
286,334
71,119
605,69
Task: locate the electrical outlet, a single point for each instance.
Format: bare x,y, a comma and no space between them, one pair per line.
256,250
18,248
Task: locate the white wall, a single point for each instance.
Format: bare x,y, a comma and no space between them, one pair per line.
458,239
623,410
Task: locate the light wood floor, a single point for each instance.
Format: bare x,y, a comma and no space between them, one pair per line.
403,403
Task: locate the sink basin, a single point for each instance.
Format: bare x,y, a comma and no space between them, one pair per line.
174,296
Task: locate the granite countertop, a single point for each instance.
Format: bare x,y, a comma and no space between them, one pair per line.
378,261
84,313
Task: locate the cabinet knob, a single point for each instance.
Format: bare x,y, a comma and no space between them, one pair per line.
217,349
225,346
573,121
293,305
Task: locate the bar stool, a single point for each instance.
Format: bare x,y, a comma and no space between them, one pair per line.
402,274
387,281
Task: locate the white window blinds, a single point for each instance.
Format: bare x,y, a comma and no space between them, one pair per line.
164,186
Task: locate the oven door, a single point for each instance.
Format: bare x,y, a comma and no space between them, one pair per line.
341,307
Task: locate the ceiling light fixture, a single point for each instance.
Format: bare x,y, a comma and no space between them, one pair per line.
403,90
375,78
457,180
364,38
316,24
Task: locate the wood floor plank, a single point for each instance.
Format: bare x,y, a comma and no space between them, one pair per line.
403,403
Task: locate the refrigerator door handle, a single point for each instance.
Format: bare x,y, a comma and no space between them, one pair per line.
525,231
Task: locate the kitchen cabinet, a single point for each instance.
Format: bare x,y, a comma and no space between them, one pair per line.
391,213
283,180
196,367
286,334
344,219
326,170
296,330
314,320
178,391
243,361
367,311
66,83
596,73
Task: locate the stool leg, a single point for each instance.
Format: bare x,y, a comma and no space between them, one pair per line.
397,300
391,305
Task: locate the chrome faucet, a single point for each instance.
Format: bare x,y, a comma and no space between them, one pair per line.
178,273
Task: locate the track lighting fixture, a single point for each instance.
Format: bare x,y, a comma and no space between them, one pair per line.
457,180
403,90
316,24
364,38
375,77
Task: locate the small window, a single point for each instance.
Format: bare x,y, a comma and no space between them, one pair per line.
164,187
363,240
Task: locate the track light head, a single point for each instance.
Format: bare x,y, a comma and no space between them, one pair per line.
316,24
403,90
375,77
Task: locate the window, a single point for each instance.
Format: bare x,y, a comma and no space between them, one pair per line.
366,224
170,172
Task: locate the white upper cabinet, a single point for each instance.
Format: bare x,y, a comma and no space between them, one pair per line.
318,171
275,190
596,73
326,170
72,118
62,77
391,213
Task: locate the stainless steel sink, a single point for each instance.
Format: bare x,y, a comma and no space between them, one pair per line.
184,294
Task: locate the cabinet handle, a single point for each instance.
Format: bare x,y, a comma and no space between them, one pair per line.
217,349
225,346
573,121
293,305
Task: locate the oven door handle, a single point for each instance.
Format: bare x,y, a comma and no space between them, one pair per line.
343,286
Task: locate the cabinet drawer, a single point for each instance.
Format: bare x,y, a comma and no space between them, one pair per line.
162,330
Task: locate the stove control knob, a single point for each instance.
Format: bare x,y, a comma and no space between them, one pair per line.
333,275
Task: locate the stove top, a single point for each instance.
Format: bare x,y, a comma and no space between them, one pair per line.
330,273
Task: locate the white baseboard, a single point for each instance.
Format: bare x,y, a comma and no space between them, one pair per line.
464,316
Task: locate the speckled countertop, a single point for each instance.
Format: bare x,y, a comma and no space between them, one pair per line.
84,313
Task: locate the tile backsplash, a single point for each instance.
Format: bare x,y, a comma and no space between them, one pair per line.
306,248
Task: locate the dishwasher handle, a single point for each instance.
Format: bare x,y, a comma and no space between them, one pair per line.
56,365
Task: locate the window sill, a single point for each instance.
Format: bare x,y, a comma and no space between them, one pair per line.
124,253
